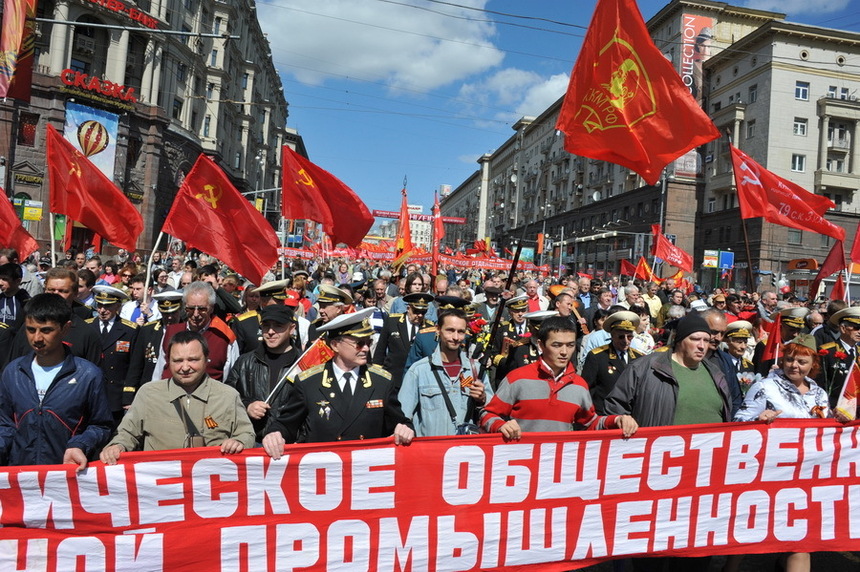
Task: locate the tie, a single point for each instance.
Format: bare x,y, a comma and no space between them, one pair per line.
347,384
104,328
412,332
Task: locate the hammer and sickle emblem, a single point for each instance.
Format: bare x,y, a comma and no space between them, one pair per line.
750,176
74,168
213,196
305,179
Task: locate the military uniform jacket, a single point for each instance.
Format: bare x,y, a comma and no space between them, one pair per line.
248,331
835,362
121,374
507,330
523,354
602,368
144,355
318,412
393,346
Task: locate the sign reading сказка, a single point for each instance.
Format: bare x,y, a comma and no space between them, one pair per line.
550,502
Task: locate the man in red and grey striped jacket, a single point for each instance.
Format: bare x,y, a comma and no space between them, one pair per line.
548,395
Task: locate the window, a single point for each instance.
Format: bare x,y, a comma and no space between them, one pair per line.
800,124
181,72
79,66
210,88
798,163
237,160
207,123
752,95
717,106
216,26
801,90
177,108
831,91
843,93
795,236
836,165
213,60
751,129
245,81
27,129
712,205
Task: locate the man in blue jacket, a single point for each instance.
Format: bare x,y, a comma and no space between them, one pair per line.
53,406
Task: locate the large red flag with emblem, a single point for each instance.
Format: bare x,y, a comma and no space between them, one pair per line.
403,243
12,232
209,214
82,192
626,103
663,248
764,194
312,193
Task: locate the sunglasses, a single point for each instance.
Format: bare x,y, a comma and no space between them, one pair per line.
192,309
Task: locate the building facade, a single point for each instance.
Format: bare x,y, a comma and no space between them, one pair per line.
788,95
161,99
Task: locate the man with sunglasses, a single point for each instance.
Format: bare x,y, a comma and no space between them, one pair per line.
604,364
398,333
343,399
199,300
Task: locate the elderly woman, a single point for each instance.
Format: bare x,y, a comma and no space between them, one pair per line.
788,392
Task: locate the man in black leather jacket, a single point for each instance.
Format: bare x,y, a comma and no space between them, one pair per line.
258,375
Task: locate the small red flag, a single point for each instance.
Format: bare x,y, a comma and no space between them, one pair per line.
82,192
644,271
838,291
17,43
312,193
771,348
209,214
626,104
855,248
835,262
438,224
403,243
12,232
663,248
627,268
764,194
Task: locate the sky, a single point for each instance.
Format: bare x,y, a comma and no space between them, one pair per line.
387,90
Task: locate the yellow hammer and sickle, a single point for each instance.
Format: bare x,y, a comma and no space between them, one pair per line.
305,179
74,168
214,195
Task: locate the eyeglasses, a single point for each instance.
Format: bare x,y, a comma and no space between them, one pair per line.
192,309
126,275
357,344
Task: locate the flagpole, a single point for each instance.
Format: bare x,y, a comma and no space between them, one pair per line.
750,277
53,240
144,301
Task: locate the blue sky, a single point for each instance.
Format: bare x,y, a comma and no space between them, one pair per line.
382,89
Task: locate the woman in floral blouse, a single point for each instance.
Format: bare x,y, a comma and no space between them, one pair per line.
788,392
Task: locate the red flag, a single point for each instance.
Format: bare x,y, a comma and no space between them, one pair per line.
663,248
847,401
627,268
855,248
771,348
838,291
209,214
403,244
644,271
626,104
312,193
764,194
12,232
438,232
82,192
17,42
835,262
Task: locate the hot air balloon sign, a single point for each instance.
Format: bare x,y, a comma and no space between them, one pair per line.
93,137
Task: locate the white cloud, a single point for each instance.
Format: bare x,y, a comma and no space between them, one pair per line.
795,7
398,45
523,92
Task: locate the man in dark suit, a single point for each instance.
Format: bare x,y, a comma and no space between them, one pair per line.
604,364
150,338
118,338
488,308
343,399
398,333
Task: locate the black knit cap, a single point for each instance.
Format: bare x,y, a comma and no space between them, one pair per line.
690,324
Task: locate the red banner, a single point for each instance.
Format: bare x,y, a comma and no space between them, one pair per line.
663,248
550,502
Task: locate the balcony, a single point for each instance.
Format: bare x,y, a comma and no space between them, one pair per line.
837,108
721,181
825,179
730,114
839,144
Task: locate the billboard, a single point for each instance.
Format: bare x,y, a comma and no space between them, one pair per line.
93,132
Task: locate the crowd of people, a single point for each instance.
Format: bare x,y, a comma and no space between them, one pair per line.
100,357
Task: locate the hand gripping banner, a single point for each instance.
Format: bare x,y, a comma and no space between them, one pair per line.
550,502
